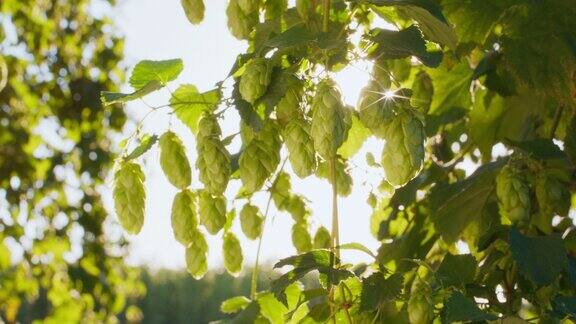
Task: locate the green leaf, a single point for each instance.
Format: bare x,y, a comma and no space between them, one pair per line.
434,28
146,143
271,308
565,305
109,98
457,270
357,135
459,308
451,88
160,71
539,148
294,36
248,315
541,259
389,44
570,140
377,290
320,260
234,304
188,104
357,246
457,205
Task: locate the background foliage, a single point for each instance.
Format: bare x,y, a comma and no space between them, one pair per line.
55,152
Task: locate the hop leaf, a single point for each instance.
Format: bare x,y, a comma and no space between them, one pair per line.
194,10
212,211
422,91
240,23
213,160
301,237
300,147
403,155
374,109
174,161
330,120
232,252
255,79
513,195
196,255
129,196
322,238
260,158
184,216
251,221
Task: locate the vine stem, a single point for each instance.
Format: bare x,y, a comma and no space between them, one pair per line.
556,121
325,15
335,235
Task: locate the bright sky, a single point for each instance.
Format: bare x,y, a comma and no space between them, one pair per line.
158,30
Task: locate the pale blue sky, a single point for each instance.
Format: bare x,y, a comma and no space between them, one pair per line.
158,29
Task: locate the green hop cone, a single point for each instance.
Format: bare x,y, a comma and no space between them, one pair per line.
197,255
260,158
553,196
281,190
375,111
403,155
331,120
248,6
422,91
174,162
297,208
288,107
304,9
129,196
212,211
274,8
513,195
420,311
213,160
343,179
232,252
255,79
322,238
240,23
300,147
251,221
194,10
184,216
301,237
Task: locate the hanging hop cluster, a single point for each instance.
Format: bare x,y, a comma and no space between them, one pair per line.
260,157
513,194
251,221
184,218
242,17
174,161
129,196
212,211
213,160
255,79
197,255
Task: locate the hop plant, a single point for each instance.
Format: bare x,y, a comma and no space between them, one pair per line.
331,120
403,155
322,238
552,195
196,255
274,8
300,147
420,311
129,196
304,9
343,179
174,161
255,79
375,111
422,91
232,252
301,238
248,6
251,221
240,22
513,195
184,216
213,160
288,107
212,211
194,10
260,158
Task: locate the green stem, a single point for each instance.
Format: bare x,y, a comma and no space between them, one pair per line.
325,15
335,235
254,283
556,121
346,312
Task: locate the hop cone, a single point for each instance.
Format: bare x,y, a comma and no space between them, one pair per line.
212,211
513,195
196,255
248,6
251,221
232,253
403,154
343,179
255,79
553,196
330,120
422,91
322,238
375,111
174,162
240,23
274,8
301,238
288,107
213,160
300,147
259,159
420,311
129,196
194,10
297,208
184,216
